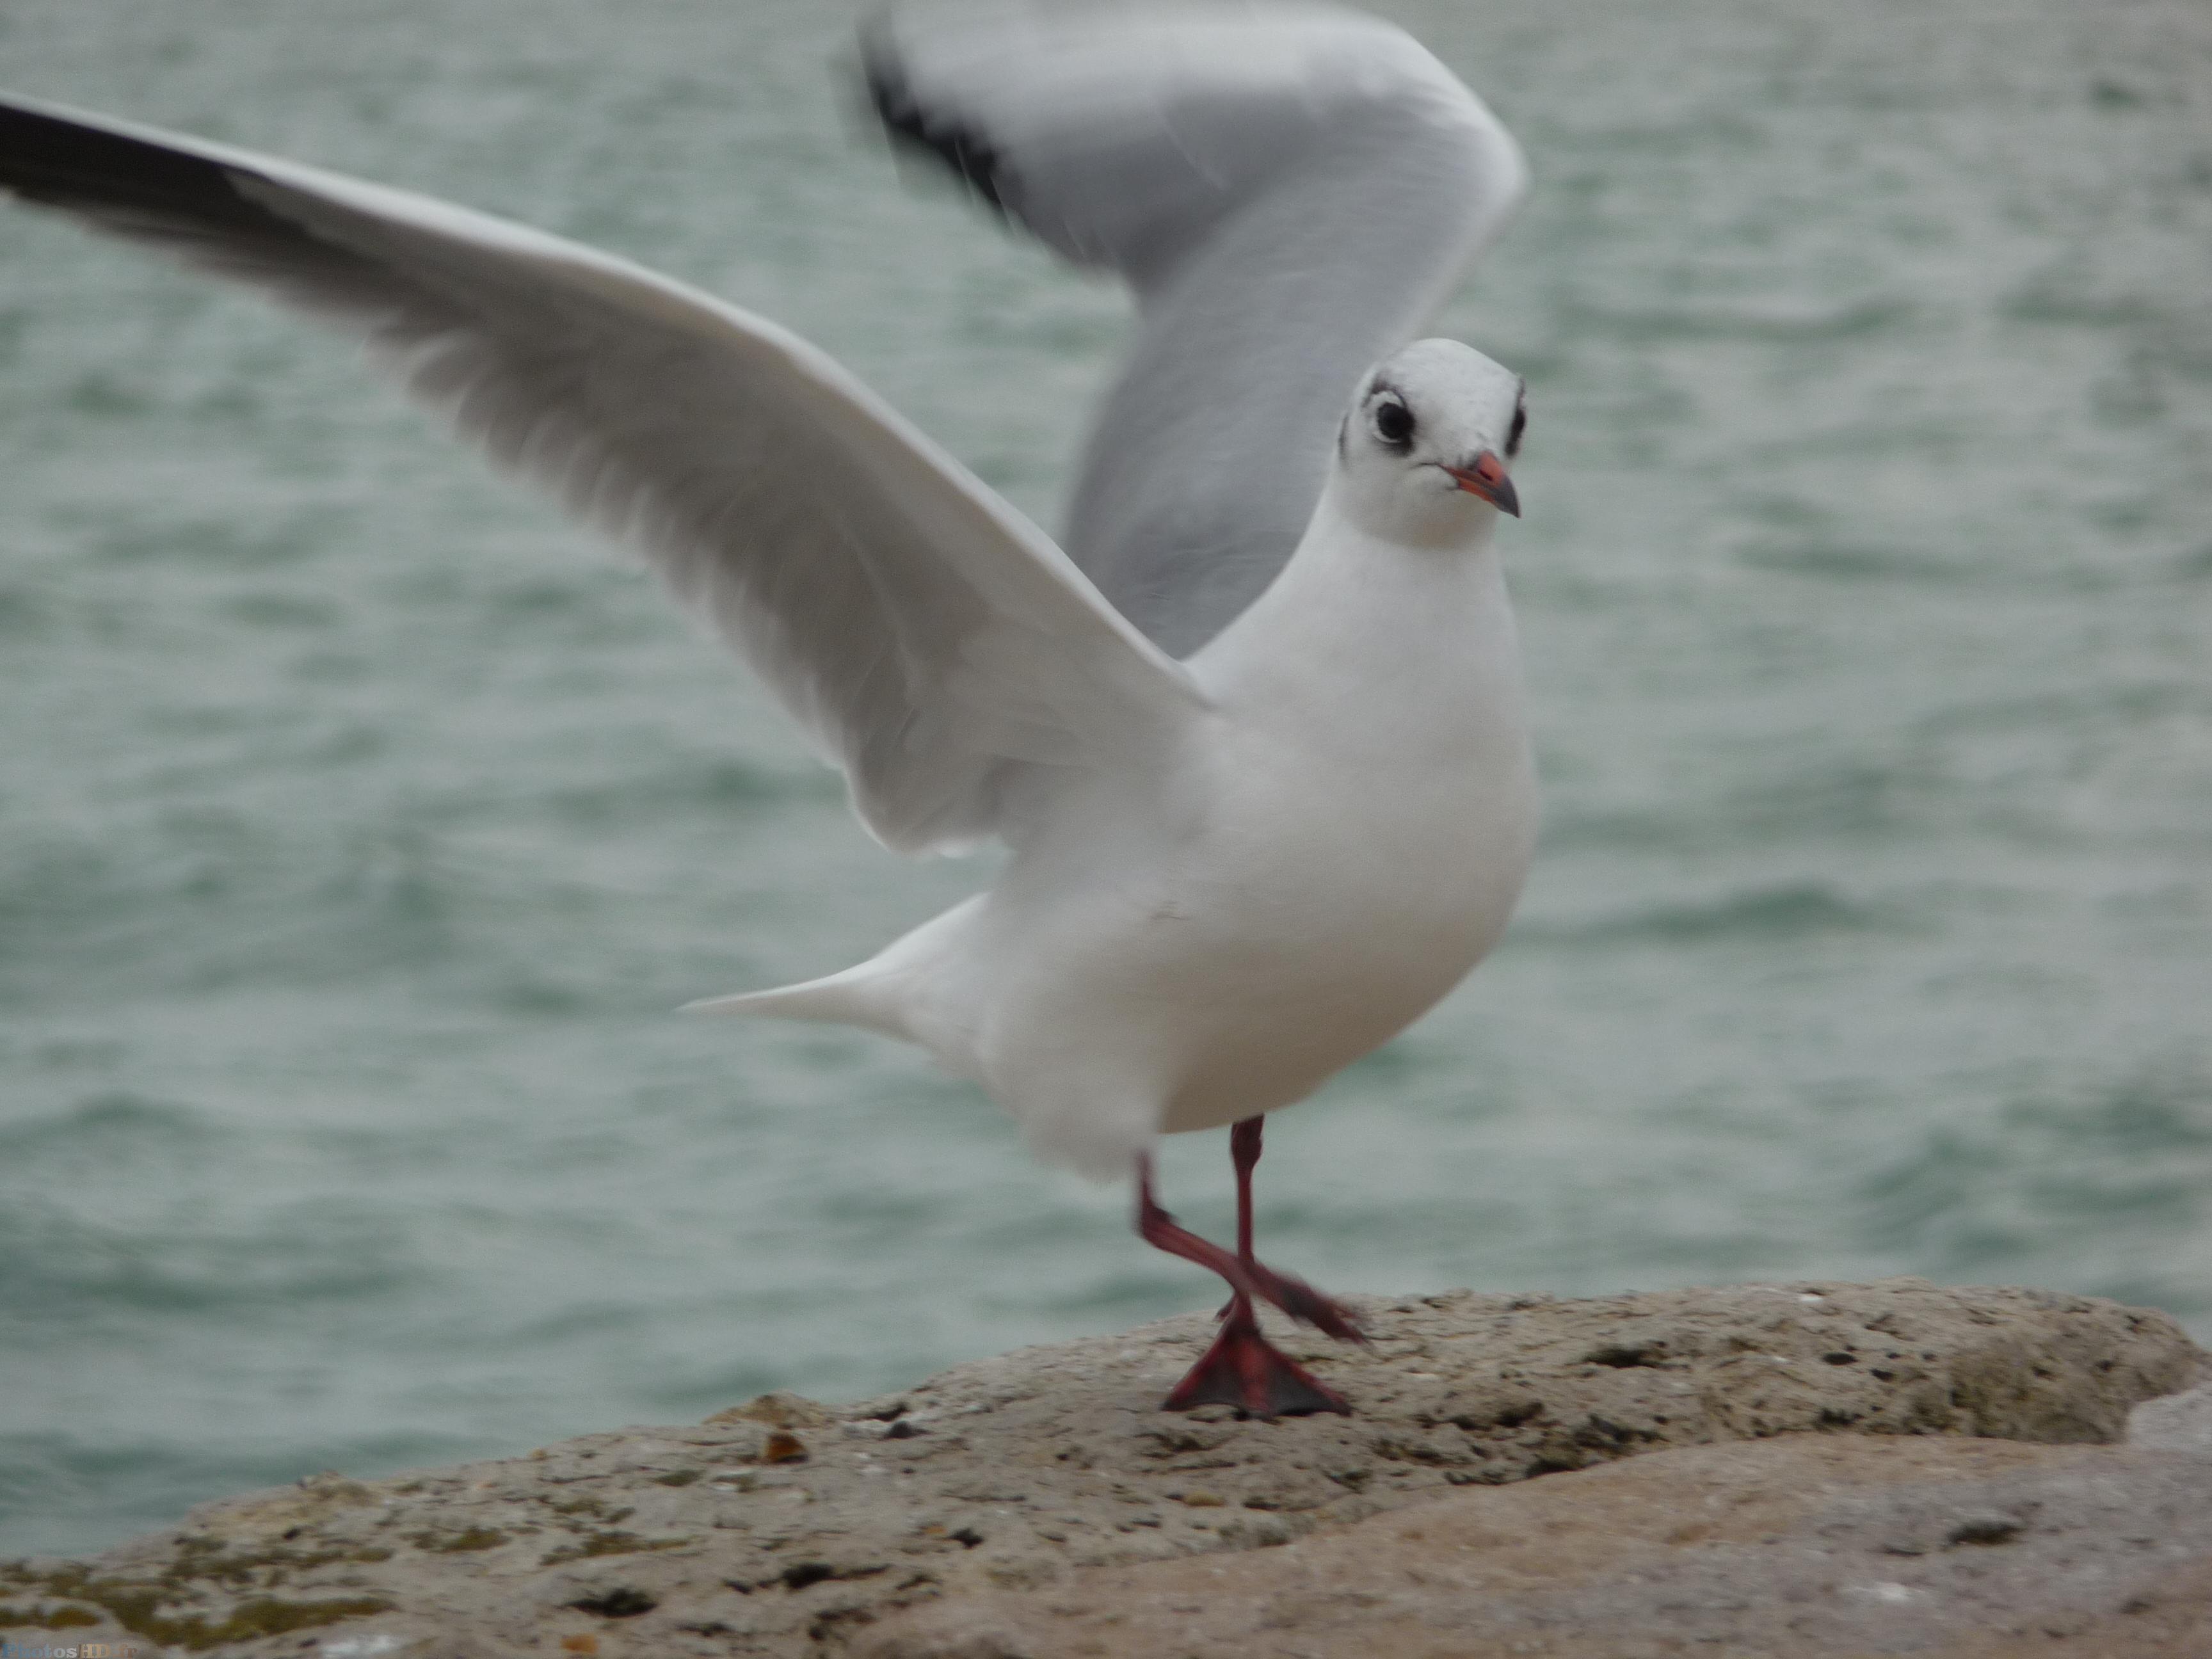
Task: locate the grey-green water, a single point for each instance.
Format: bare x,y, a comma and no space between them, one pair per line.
361,823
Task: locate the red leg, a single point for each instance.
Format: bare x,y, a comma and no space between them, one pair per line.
1293,1296
1244,1154
1242,1368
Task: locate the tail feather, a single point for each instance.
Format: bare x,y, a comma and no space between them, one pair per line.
890,992
852,998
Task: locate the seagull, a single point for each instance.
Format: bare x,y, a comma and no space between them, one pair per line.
1251,732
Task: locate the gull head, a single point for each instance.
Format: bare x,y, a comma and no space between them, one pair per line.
1424,453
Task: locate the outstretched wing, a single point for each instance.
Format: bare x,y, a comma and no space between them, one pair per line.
1290,191
929,638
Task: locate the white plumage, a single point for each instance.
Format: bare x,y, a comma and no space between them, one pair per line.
1253,740
1238,900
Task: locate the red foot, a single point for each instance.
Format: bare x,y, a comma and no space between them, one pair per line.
1244,1369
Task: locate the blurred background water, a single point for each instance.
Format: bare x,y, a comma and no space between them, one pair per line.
360,821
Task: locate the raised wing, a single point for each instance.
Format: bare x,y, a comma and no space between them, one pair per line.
929,638
1290,191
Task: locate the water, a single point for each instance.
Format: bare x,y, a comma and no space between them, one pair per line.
361,823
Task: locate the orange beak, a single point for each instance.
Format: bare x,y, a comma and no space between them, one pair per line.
1487,479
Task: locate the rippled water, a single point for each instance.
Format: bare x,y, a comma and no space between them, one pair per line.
361,823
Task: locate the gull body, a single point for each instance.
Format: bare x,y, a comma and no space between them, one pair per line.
1286,878
1251,732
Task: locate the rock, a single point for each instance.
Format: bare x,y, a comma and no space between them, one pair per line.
1006,1489
779,1410
1774,1549
2181,1422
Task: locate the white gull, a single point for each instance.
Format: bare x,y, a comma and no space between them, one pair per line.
1252,732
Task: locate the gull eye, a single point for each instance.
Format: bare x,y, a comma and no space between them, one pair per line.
1393,424
1520,426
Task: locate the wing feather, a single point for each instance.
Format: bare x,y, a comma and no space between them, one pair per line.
930,639
1291,191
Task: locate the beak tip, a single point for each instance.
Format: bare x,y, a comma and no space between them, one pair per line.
1486,480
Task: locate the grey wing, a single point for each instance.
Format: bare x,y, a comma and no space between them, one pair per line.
1290,191
930,639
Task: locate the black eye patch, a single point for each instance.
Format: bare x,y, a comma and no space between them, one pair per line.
1520,426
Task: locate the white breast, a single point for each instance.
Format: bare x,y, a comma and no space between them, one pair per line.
1334,853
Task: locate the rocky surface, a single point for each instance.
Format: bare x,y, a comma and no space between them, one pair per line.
1810,1547
1040,1505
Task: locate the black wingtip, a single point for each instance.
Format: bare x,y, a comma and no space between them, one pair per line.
50,158
966,152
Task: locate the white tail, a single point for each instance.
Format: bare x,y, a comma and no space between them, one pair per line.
886,994
846,998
